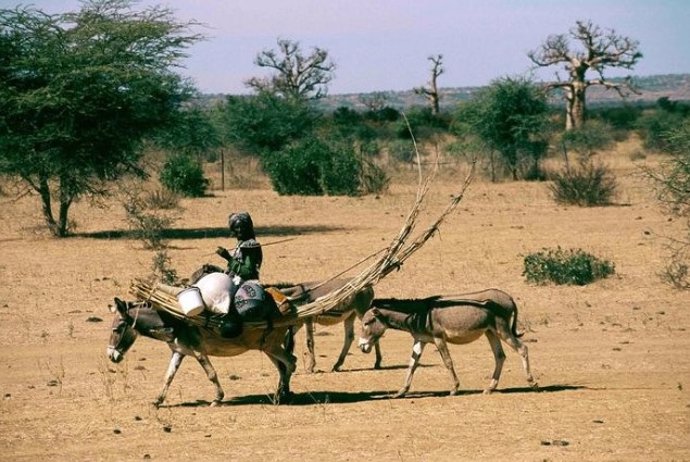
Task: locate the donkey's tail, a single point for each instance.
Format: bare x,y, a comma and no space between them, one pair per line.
513,328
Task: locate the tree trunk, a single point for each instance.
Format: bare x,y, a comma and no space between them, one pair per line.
575,99
64,209
46,203
435,110
66,197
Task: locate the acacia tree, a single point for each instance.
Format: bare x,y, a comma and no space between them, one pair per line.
672,180
431,92
296,75
79,91
595,50
509,116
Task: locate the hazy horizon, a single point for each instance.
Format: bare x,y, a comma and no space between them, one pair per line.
383,45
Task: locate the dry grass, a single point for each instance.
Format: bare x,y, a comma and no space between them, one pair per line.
610,356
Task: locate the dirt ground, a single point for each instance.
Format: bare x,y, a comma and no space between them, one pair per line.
611,358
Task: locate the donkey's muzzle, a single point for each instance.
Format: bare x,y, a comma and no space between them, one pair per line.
364,345
114,355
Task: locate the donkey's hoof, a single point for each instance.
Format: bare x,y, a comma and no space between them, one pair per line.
488,391
399,394
283,397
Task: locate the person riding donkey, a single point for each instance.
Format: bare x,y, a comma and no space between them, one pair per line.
245,260
249,300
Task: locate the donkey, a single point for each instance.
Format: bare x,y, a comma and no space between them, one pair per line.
307,292
458,320
134,319
310,291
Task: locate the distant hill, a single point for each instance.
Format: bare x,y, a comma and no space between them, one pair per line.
674,86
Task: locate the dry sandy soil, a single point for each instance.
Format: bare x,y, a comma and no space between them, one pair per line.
611,358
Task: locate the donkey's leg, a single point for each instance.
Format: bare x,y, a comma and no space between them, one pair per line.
212,376
517,345
173,366
349,325
310,361
417,350
286,365
448,361
377,350
499,358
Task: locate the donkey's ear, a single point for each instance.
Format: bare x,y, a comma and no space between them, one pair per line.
121,306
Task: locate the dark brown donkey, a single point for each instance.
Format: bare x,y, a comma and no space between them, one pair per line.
458,319
310,291
134,319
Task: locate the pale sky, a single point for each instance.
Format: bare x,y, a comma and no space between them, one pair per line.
381,45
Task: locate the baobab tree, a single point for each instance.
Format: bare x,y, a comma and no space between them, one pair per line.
595,49
431,92
297,75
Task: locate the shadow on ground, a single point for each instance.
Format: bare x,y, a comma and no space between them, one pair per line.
337,397
208,233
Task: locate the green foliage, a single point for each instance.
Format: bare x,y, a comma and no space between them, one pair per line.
402,151
374,180
654,125
509,116
348,123
619,117
148,224
573,266
192,132
674,179
183,174
673,190
80,91
590,137
312,166
653,128
423,124
587,185
265,122
162,269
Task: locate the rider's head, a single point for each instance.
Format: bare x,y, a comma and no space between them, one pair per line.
241,226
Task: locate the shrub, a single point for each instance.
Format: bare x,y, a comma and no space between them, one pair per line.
162,198
148,227
593,136
148,223
654,126
587,185
573,266
402,151
373,178
672,181
162,270
183,174
313,167
676,274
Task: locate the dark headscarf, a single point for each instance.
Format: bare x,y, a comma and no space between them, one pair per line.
241,226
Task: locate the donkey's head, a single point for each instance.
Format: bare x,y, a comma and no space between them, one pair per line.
373,328
123,333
